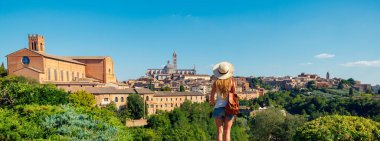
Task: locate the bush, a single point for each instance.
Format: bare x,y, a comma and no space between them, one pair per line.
82,98
344,128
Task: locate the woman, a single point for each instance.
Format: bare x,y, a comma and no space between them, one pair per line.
222,87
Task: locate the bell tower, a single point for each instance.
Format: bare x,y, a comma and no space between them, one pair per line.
175,60
36,43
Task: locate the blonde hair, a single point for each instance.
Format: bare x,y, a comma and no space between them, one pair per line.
224,86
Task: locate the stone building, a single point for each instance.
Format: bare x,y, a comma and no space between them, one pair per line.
35,63
169,70
154,101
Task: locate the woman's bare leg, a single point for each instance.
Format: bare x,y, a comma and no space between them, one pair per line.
219,128
227,129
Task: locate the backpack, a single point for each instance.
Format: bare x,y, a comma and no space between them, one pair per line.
232,108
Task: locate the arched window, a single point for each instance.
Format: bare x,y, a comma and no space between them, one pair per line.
147,98
62,75
116,99
122,99
67,76
172,104
49,78
55,74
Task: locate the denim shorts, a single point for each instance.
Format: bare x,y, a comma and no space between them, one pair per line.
221,113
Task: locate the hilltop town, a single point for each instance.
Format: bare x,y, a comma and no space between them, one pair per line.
162,89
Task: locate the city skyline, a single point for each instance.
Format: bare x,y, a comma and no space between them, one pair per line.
290,38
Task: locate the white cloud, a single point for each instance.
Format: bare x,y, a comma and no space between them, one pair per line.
308,63
375,63
324,56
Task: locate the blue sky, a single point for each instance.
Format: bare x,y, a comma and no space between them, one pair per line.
261,38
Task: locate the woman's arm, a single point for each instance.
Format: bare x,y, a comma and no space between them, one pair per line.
233,91
212,95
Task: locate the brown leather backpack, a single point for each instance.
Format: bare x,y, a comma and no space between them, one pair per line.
232,108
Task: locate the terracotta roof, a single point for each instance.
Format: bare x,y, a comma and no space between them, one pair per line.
101,90
57,57
167,93
143,91
86,57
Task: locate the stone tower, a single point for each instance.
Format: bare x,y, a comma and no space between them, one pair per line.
36,43
175,61
328,76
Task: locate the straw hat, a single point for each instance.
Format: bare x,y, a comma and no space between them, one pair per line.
223,70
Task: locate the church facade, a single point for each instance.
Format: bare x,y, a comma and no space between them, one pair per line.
35,63
169,70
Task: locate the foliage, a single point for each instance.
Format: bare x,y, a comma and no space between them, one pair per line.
181,88
19,90
3,71
311,85
82,98
191,121
351,92
135,106
166,88
73,126
344,128
272,124
14,127
111,107
257,82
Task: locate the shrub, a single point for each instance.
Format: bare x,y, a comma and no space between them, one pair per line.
344,128
82,98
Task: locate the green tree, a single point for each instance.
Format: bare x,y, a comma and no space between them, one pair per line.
351,92
159,122
351,81
3,70
135,106
181,88
166,88
267,124
311,85
82,98
111,107
344,128
340,85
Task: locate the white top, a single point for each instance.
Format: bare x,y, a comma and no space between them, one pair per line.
220,102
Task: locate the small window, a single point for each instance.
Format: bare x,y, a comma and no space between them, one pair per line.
122,99
55,75
67,76
116,99
171,99
49,78
151,105
72,76
166,99
105,99
161,106
172,104
147,98
175,99
62,75
156,106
